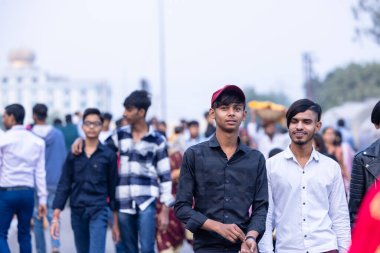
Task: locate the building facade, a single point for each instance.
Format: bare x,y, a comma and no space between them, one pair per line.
22,82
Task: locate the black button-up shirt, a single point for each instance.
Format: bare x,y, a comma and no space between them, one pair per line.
223,190
88,181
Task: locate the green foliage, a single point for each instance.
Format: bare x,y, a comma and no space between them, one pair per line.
369,10
352,83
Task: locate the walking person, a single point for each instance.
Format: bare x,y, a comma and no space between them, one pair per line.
143,178
224,178
22,169
307,201
55,154
365,169
89,179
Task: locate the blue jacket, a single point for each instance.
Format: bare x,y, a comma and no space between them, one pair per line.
55,154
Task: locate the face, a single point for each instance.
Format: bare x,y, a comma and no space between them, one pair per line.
270,128
194,131
303,126
92,125
133,114
229,117
8,121
329,135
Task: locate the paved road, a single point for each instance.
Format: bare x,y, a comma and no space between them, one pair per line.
67,239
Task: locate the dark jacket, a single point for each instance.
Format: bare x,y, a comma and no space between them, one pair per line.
365,169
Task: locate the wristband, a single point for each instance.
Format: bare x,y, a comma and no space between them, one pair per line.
250,237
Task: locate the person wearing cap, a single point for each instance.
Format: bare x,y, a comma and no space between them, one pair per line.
365,169
224,178
307,201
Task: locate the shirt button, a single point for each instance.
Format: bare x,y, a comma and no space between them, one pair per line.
303,172
95,166
303,187
227,199
305,236
226,216
304,219
227,181
303,203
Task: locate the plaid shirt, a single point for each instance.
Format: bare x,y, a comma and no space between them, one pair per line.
144,170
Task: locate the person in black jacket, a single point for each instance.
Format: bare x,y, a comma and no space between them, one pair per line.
365,169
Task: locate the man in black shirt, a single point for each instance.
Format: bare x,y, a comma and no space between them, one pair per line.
224,178
89,179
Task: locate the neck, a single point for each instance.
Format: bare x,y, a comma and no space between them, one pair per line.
228,140
140,127
39,122
301,151
91,142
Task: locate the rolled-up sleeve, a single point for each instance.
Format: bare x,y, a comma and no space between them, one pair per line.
184,200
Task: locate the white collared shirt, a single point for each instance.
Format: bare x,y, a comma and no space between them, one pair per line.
307,206
22,156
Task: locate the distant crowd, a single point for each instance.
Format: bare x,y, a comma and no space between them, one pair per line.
243,183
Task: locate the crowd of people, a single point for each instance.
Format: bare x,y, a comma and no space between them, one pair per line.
244,184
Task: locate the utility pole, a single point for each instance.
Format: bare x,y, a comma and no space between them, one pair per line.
162,60
309,76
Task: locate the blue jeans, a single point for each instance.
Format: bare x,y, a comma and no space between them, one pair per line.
90,231
39,233
19,202
141,225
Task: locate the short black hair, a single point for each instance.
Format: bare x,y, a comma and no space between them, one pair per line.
375,116
68,118
90,111
41,111
107,116
192,123
228,97
341,123
17,111
302,105
140,99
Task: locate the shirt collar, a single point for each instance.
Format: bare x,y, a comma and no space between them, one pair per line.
17,127
214,143
151,130
288,154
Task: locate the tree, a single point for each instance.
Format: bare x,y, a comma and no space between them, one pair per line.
370,10
352,83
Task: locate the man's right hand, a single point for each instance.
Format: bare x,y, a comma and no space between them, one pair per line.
77,146
231,232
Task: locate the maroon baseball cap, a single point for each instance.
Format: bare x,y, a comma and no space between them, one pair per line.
227,88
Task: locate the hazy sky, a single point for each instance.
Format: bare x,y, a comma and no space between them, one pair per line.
209,43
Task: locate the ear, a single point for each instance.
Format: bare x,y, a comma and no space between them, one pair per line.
318,126
211,112
244,115
142,112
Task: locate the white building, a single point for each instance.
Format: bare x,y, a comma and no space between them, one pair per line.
24,83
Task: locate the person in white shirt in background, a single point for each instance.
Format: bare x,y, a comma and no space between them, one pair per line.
307,201
106,129
266,136
22,156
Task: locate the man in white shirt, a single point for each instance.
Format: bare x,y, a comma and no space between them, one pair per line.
22,156
307,201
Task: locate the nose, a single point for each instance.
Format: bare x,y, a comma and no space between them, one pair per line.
299,125
231,110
